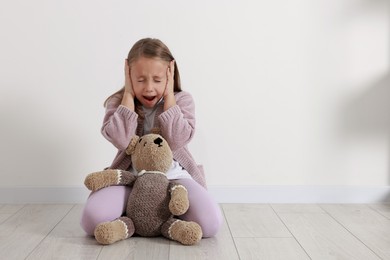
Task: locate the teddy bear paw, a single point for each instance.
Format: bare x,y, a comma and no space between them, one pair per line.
187,233
110,232
178,206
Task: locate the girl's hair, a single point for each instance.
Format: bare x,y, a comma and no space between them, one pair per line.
150,48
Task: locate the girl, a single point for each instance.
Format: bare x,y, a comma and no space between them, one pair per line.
152,101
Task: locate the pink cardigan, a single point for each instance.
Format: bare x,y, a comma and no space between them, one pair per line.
176,125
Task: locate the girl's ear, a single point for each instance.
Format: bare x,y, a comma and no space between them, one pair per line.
131,147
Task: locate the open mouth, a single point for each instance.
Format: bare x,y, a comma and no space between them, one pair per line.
149,98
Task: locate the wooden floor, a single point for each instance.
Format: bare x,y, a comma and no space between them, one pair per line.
251,231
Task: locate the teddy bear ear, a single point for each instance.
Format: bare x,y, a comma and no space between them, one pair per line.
131,147
155,130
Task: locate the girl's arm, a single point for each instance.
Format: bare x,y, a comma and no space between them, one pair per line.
178,122
119,123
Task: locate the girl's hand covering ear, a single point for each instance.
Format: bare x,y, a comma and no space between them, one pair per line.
128,85
170,79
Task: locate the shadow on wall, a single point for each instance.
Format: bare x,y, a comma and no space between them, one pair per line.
370,112
368,115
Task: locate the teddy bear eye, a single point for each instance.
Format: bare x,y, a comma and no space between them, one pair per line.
140,140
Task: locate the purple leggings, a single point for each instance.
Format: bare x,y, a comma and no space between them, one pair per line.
110,203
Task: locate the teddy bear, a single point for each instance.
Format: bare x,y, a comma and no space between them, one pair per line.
154,202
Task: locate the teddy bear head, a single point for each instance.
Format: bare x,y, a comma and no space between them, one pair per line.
150,152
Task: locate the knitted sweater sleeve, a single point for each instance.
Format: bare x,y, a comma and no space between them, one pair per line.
178,122
119,123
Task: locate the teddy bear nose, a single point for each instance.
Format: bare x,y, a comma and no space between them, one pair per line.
158,141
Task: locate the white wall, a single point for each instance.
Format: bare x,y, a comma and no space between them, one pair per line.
287,92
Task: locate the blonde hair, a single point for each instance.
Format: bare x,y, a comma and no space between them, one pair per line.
150,48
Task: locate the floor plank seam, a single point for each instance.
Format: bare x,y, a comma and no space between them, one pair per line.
100,252
378,211
290,232
230,232
48,233
350,232
169,249
5,220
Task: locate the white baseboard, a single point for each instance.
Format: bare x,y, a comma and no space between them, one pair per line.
21,195
222,194
301,194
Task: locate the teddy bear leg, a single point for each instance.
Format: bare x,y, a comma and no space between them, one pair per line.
185,232
110,232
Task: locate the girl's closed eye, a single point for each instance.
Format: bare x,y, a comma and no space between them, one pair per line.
157,79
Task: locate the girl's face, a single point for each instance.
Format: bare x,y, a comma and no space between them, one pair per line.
149,78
